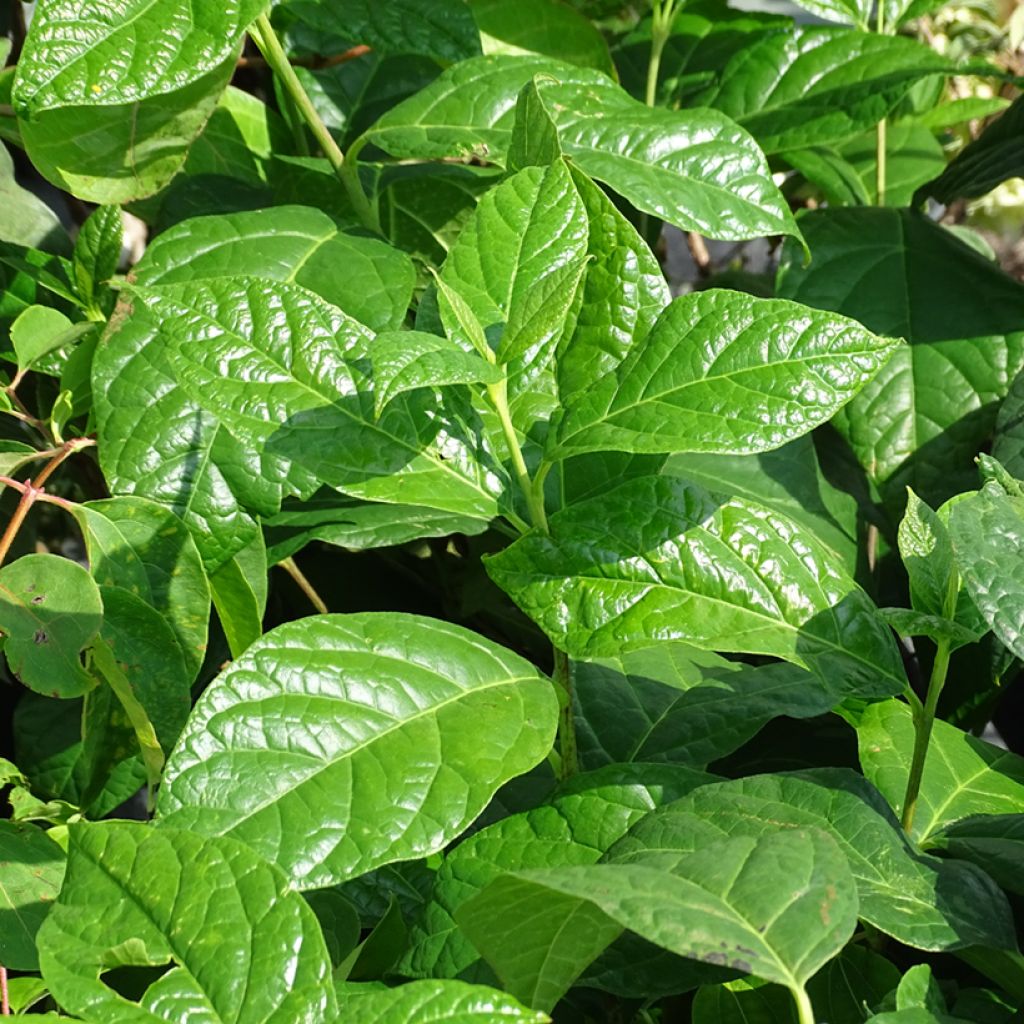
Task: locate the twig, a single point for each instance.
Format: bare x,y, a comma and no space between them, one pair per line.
699,252
289,566
306,62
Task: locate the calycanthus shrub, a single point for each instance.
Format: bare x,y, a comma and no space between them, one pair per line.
654,636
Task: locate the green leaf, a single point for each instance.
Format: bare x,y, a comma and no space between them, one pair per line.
927,554
812,86
712,906
936,627
407,360
790,480
846,12
33,868
624,291
145,549
365,277
994,157
298,392
921,421
25,218
435,1002
357,525
660,559
339,922
583,818
823,167
846,987
674,704
988,538
40,330
97,254
432,28
50,609
377,954
239,592
913,156
14,455
995,842
922,901
963,775
744,1002
724,372
373,700
696,169
544,27
157,888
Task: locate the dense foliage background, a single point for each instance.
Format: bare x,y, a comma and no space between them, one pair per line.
511,510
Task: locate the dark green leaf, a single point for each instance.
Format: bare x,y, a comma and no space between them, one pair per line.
380,707
25,218
50,609
659,559
995,842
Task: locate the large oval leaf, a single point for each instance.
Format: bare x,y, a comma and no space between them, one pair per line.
242,947
662,559
339,743
727,373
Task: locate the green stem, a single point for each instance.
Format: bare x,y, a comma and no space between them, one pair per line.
804,1010
533,492
923,723
880,131
661,28
289,566
265,38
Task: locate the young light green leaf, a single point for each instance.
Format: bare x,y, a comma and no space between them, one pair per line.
583,818
97,254
368,279
688,386
406,360
996,155
534,141
927,554
157,888
988,539
922,901
299,393
40,330
33,868
541,26
369,698
239,592
924,417
936,627
436,1002
662,559
50,609
963,775
144,548
711,905
673,703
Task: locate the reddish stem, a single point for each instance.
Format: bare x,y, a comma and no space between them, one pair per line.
5,1000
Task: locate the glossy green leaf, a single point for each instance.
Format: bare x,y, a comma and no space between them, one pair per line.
791,480
379,705
97,254
580,822
927,554
432,28
963,775
143,548
936,627
357,525
724,372
50,609
297,393
847,12
624,291
989,160
541,26
988,539
197,904
368,279
436,1002
712,906
695,169
672,703
239,592
921,421
920,900
813,86
407,360
31,871
40,331
662,559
